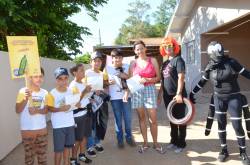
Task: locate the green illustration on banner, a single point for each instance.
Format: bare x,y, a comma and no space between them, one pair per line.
22,66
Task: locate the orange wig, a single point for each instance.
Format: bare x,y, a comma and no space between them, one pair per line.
169,41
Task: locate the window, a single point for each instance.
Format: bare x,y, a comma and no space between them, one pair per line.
190,58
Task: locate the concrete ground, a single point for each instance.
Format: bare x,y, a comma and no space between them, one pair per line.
200,150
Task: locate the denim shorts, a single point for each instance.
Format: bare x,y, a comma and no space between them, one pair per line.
63,138
145,98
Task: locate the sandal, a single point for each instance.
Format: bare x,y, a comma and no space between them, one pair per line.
160,150
142,149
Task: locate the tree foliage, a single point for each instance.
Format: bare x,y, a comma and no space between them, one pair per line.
138,24
163,15
84,59
58,37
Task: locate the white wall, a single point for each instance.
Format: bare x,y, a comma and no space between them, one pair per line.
207,15
9,120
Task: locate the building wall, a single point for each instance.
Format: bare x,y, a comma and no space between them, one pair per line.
9,120
237,42
207,15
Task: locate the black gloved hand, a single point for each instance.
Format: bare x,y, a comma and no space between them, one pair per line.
207,132
191,98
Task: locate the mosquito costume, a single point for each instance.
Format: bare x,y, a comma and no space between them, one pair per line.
223,72
211,113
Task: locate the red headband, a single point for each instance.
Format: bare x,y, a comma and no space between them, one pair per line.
169,41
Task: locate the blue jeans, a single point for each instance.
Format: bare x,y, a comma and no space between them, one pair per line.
122,110
93,140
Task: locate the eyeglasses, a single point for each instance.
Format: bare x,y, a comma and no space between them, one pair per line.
169,46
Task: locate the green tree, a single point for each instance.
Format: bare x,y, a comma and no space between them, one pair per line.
162,16
137,25
58,37
85,59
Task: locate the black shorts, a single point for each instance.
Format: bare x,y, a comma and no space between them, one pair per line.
83,127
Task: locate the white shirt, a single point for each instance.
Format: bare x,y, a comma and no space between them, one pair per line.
36,121
77,88
56,99
115,91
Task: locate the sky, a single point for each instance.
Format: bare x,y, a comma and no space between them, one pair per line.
110,18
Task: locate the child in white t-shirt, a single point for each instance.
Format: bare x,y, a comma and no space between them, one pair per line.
83,121
62,118
97,79
31,104
120,100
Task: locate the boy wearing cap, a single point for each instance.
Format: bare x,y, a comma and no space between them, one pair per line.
120,102
62,119
96,63
33,120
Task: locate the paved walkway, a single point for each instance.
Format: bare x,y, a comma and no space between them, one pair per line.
201,149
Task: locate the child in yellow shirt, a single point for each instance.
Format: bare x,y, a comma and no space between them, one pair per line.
31,105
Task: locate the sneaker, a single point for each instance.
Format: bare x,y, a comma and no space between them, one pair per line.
99,148
223,155
178,150
171,146
82,157
131,142
120,145
244,159
91,153
74,161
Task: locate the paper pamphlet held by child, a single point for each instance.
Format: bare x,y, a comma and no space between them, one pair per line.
72,100
96,103
134,84
96,82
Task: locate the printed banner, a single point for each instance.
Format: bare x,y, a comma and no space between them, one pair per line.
23,55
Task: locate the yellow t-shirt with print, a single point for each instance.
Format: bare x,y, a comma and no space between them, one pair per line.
39,100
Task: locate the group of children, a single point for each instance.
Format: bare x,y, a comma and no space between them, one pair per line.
73,127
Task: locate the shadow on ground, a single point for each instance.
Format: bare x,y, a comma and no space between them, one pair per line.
200,150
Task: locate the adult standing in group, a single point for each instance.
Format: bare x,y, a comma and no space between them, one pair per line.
173,87
145,100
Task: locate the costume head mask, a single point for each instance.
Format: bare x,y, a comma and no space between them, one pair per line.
169,42
215,51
